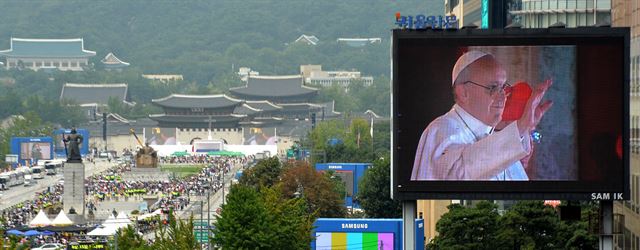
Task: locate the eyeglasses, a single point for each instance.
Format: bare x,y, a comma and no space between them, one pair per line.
494,89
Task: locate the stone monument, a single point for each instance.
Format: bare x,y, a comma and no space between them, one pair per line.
74,193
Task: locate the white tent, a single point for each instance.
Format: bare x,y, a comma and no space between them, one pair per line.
155,213
106,230
123,219
41,220
61,220
110,220
111,225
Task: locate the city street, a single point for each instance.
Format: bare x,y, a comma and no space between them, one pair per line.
17,194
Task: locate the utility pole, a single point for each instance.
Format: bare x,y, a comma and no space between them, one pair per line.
223,186
201,216
209,217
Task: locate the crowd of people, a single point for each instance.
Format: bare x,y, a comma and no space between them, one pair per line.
20,214
108,184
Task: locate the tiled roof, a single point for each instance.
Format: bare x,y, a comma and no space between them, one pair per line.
47,48
195,118
290,107
308,39
197,101
264,87
93,93
264,105
112,60
245,109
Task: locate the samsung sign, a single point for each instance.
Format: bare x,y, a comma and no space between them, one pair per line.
355,225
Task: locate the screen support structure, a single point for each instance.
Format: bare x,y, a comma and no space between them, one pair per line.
408,221
606,225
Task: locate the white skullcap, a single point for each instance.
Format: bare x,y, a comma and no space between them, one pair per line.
464,61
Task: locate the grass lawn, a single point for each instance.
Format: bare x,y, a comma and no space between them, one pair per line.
182,170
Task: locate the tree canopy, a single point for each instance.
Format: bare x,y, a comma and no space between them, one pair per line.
374,193
526,225
262,219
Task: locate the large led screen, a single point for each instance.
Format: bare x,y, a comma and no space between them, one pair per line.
513,114
160,136
260,136
35,150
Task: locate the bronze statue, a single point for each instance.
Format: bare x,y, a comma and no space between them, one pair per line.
72,143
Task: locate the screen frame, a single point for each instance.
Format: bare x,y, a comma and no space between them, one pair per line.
405,189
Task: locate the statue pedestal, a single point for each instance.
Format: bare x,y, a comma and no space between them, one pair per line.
73,195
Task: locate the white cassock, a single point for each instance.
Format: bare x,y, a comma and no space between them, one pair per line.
457,146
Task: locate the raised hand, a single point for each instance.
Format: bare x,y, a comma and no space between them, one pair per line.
534,109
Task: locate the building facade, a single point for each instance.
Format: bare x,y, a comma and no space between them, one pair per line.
468,12
573,13
314,75
533,13
626,13
38,54
93,98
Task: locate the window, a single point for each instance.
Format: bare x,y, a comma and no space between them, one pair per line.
603,4
562,17
582,19
590,20
581,4
602,17
65,64
562,4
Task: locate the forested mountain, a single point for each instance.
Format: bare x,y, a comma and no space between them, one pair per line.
204,40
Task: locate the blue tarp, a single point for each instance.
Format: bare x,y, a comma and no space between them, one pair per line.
15,232
31,233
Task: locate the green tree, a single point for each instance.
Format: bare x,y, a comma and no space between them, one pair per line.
128,238
178,234
374,193
467,227
265,173
318,189
532,225
115,105
243,220
294,222
526,225
354,141
263,219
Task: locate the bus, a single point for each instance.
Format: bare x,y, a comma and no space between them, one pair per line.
4,181
13,178
38,172
52,167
